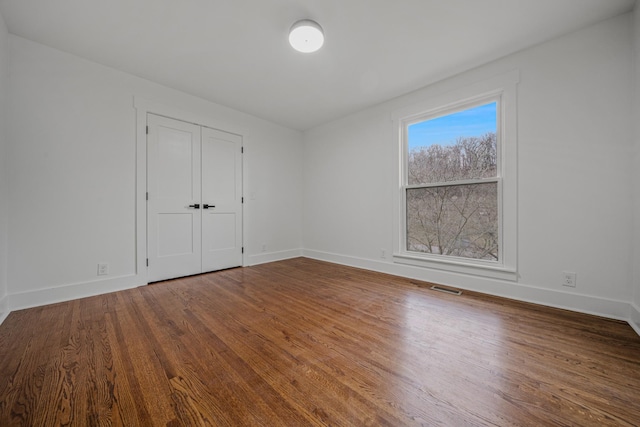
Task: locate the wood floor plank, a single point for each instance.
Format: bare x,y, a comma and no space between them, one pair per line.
148,366
308,343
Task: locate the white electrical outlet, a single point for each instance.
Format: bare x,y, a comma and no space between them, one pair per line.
569,279
383,253
103,269
264,247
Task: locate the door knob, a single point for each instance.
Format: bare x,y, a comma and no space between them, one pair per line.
205,206
197,206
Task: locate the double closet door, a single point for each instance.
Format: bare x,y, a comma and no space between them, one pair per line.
194,199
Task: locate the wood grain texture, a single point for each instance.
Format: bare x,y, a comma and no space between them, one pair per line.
307,343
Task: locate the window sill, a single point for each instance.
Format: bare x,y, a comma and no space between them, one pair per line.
458,265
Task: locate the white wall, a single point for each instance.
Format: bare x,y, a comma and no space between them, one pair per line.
635,312
574,142
72,158
4,175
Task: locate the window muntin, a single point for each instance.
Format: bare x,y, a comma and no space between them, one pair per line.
452,183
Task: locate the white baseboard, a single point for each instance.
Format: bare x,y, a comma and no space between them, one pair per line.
604,307
265,257
4,308
634,317
46,296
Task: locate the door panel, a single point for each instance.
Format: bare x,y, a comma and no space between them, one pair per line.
175,158
223,227
175,234
173,183
221,187
219,174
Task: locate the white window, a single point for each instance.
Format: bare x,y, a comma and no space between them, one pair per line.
457,189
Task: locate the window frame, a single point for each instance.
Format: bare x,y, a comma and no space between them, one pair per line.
501,89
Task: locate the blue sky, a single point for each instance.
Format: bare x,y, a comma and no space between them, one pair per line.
446,129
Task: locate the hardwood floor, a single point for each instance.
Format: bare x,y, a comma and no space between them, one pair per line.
302,342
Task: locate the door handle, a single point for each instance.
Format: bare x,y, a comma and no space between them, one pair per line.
205,206
197,206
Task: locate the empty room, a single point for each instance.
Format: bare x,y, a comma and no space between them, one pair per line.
320,213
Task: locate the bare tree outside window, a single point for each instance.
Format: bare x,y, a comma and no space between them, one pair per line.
452,191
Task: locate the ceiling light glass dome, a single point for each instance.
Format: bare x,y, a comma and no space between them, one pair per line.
306,36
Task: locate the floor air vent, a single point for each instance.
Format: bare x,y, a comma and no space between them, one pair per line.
446,290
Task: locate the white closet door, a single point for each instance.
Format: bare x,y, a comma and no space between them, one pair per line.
222,200
174,191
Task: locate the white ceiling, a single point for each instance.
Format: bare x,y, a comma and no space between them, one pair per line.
236,53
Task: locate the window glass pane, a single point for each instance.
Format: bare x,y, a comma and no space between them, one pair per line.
454,147
454,220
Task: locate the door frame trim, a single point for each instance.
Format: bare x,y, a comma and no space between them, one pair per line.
144,107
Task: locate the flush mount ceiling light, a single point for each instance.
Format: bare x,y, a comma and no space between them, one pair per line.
306,36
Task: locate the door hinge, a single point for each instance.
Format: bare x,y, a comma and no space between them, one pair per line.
242,150
147,130
147,195
243,249
147,262
242,200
